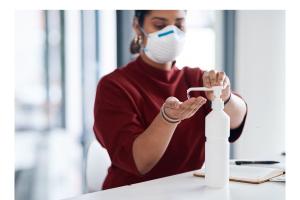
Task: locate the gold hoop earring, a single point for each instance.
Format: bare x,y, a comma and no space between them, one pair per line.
138,39
135,39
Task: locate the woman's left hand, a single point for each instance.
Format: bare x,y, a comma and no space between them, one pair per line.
214,78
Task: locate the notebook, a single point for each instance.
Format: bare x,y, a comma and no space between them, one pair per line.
249,174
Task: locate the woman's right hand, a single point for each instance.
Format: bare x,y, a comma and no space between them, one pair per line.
182,110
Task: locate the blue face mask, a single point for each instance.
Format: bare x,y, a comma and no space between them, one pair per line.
164,45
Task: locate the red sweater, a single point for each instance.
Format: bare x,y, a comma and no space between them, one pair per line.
128,100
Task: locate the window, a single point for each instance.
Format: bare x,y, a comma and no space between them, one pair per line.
39,94
30,92
199,50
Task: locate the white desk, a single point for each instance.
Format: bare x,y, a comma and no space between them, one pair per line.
186,186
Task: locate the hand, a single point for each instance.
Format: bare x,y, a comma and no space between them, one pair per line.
215,78
182,110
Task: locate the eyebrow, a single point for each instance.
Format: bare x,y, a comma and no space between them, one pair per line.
164,19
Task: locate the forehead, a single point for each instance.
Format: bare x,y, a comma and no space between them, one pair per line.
167,14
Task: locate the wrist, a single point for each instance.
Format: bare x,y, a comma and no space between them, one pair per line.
166,117
228,99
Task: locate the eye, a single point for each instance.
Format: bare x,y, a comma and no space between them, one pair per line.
180,26
159,27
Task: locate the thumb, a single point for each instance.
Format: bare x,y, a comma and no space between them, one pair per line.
172,102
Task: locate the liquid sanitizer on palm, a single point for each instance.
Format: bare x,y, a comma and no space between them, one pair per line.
217,129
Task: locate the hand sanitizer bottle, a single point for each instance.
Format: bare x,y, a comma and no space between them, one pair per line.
217,129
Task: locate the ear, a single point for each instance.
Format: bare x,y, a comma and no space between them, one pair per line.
136,26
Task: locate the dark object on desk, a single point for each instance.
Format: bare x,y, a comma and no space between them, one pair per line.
255,162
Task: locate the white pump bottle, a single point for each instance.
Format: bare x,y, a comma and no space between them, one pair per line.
217,130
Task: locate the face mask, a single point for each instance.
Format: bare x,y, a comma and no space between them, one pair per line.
164,45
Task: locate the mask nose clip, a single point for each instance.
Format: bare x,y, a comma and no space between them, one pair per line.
166,33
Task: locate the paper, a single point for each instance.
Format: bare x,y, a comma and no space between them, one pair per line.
249,174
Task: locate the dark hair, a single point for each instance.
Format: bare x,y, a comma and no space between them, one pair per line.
135,47
140,15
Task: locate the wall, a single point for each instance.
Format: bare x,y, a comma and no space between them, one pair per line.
260,79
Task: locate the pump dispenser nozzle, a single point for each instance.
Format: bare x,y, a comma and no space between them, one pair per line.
217,103
216,89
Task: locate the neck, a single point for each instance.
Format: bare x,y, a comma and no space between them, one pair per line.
164,66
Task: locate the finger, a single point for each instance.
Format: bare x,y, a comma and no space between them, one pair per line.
186,105
187,113
226,82
187,102
196,106
206,81
220,78
226,91
200,103
212,77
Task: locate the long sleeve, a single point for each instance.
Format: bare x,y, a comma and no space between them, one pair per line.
237,132
116,124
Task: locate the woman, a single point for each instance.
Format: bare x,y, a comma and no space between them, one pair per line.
142,115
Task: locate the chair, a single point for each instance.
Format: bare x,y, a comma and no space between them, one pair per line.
98,162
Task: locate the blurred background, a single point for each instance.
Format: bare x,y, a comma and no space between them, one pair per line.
60,56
